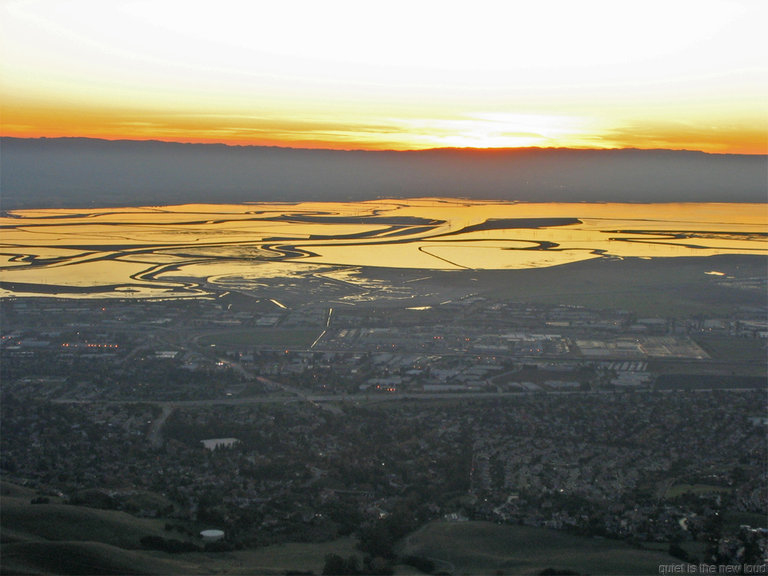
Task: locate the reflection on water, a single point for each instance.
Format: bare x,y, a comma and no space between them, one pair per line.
177,251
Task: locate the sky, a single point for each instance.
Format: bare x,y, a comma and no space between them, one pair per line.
414,74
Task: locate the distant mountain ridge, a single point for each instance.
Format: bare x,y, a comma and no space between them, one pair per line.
85,172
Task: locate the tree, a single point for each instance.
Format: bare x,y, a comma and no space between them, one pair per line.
713,532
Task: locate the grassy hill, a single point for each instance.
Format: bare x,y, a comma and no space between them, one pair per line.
62,522
64,539
487,548
81,558
57,538
280,558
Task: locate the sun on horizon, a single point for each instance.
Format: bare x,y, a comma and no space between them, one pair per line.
394,75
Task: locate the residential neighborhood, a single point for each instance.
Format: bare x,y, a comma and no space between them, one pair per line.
280,424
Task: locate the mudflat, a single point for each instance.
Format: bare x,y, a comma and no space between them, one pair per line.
183,251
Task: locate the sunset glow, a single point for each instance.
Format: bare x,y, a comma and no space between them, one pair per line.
370,75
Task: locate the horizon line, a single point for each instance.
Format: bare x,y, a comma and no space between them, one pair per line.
489,149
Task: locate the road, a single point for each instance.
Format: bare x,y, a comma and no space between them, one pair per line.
317,401
327,402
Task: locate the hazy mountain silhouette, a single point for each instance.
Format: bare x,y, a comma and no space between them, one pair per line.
81,172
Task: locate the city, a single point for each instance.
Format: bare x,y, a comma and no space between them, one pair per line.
276,419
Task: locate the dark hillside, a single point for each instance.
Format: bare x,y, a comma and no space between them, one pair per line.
80,172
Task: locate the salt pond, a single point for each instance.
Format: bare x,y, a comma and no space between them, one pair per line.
181,251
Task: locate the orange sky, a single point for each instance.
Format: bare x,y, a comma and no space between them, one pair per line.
400,75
